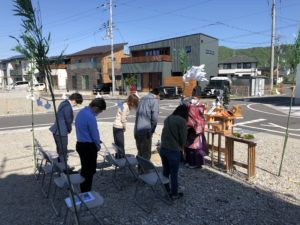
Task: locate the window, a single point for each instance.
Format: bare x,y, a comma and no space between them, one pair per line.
239,65
85,82
209,52
226,66
188,49
246,65
74,82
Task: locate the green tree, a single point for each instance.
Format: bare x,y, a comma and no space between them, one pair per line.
294,56
35,47
130,80
31,43
226,97
183,62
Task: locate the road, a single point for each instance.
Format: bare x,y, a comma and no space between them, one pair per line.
258,116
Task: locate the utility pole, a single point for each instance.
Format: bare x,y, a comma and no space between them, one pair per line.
112,48
272,46
278,55
109,34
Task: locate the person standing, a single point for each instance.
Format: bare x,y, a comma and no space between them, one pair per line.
119,126
195,149
88,140
63,123
173,139
145,123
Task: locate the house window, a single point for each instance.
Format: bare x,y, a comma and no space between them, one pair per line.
239,65
188,49
209,52
74,82
226,66
85,82
246,65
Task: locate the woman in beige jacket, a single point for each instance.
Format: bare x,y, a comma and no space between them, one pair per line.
119,126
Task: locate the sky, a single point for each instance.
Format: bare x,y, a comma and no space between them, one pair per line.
75,25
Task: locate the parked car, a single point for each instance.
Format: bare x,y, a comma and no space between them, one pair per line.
38,87
170,92
20,85
102,88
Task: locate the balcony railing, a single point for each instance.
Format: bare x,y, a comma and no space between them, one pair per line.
84,65
145,59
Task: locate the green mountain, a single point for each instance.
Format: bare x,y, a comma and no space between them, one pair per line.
262,54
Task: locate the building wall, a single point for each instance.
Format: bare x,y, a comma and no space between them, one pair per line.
209,54
61,77
98,70
195,47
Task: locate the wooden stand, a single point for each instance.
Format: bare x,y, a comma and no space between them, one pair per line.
216,148
250,166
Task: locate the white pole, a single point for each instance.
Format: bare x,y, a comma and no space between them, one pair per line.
272,45
112,48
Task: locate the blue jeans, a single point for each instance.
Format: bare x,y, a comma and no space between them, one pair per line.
170,161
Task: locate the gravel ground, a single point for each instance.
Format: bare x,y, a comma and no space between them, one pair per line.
210,196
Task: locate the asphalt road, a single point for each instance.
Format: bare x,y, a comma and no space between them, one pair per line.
257,116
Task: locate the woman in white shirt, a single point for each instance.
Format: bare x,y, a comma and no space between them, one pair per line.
119,126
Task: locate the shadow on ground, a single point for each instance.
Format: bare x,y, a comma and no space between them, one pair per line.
209,198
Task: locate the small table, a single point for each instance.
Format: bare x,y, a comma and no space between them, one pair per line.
250,166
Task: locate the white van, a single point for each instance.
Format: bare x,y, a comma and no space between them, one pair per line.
37,87
20,85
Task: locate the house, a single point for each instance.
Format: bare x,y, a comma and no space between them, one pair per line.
92,66
240,65
246,77
14,69
18,68
158,63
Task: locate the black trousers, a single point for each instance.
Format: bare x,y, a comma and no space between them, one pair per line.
119,140
88,157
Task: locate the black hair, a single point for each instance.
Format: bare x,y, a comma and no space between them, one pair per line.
76,97
155,91
99,103
182,111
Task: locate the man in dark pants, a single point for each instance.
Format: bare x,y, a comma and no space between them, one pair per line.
64,123
145,123
88,140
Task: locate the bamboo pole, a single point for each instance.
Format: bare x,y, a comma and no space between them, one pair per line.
293,88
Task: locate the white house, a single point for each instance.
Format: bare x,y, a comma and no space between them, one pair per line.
14,69
17,68
239,66
244,74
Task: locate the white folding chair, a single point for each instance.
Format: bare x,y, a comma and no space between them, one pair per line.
154,179
61,182
84,202
120,164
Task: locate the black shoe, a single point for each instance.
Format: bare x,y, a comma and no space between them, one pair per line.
70,170
176,196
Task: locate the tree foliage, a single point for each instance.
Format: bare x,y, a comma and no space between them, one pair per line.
130,80
262,54
31,43
183,61
294,57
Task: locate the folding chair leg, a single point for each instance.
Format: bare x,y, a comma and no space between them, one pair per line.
136,200
166,199
57,212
